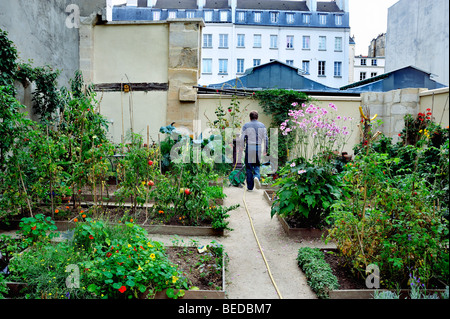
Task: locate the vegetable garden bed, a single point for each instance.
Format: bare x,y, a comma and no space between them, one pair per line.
338,282
289,229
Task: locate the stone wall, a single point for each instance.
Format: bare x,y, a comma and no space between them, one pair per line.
391,108
184,67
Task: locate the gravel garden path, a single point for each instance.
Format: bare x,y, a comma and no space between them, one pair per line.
247,276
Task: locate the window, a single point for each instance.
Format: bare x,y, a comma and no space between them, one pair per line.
208,16
257,40
337,69
256,62
190,14
223,66
241,40
257,17
223,41
274,17
156,15
306,18
290,62
274,41
338,19
322,43
207,66
289,42
373,74
362,76
338,44
306,42
305,66
172,14
240,66
240,16
224,16
207,40
374,62
321,70
289,18
322,19
363,62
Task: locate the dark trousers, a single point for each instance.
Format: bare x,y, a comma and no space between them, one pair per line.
252,164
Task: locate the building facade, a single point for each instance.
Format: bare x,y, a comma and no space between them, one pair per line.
366,67
240,34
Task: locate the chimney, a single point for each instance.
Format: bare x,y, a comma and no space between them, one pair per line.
342,4
201,4
232,4
312,5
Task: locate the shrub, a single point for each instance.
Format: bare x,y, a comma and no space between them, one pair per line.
306,193
317,270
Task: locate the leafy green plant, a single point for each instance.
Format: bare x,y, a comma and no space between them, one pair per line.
306,192
124,263
38,229
317,271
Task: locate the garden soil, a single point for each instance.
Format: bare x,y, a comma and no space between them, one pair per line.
246,274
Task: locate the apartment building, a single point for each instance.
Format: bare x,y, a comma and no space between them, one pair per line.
366,67
240,34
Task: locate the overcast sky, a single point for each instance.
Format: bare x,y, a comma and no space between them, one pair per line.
368,18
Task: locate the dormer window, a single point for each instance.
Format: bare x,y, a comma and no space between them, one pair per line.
306,18
172,14
257,17
208,16
289,18
156,15
223,16
322,19
338,19
274,17
240,16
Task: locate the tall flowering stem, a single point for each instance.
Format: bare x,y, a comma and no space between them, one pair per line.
317,130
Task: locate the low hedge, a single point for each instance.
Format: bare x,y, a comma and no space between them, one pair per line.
317,270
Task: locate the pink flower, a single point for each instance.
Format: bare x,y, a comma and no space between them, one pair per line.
301,171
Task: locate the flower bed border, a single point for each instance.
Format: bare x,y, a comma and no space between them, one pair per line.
16,287
368,293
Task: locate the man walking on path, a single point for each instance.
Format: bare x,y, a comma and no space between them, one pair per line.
254,134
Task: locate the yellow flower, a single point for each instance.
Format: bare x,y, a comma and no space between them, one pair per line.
149,245
174,279
129,246
152,256
139,268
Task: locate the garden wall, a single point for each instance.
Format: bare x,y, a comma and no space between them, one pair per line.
144,72
392,106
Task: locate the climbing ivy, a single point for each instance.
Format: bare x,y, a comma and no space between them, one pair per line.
277,103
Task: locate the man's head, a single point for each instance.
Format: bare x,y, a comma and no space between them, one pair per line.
253,115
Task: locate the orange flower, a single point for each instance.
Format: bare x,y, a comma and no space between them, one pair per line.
33,228
84,215
131,220
161,212
56,211
67,207
122,289
75,220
